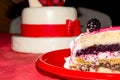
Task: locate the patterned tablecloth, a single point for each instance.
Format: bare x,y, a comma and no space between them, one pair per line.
18,66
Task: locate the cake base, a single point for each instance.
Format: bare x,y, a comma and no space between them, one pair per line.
39,45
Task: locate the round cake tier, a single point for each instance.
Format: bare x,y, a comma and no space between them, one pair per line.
48,15
39,45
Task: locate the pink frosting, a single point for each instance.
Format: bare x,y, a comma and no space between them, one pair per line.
100,55
110,28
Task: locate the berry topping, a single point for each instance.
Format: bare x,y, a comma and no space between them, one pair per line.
93,25
95,49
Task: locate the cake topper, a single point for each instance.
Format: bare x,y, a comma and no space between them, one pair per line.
34,3
52,2
40,3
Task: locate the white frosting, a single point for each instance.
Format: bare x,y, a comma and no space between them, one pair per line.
48,15
39,45
66,64
44,15
34,3
74,46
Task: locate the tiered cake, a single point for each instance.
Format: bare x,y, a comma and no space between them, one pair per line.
45,29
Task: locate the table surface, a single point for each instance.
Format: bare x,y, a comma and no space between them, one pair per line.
18,66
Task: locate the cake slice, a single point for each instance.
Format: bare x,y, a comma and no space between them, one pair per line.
97,50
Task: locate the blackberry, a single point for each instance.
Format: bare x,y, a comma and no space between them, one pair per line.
93,25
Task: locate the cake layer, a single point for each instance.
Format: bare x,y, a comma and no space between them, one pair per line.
39,45
102,38
48,15
112,64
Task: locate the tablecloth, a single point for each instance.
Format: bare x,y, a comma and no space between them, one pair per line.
16,65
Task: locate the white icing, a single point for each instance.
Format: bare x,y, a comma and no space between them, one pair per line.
74,46
66,64
48,15
39,44
34,3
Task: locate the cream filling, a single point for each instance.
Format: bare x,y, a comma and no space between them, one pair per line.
91,57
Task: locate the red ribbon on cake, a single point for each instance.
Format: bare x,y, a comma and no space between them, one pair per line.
71,28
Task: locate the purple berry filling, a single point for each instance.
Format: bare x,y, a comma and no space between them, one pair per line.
98,48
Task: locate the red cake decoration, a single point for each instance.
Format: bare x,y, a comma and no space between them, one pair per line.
71,28
52,2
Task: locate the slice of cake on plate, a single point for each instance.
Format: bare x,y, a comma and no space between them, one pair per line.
97,50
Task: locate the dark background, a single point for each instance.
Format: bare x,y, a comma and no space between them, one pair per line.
109,7
9,10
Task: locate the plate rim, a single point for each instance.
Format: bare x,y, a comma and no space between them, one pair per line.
43,65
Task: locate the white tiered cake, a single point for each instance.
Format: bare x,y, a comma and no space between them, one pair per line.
45,29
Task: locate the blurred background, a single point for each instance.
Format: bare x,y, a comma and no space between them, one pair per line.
4,20
10,9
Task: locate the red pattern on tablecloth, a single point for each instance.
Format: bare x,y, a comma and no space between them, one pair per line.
18,66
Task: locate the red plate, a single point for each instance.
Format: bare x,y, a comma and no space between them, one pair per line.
52,62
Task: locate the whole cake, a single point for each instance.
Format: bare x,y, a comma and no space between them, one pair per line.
97,50
46,28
